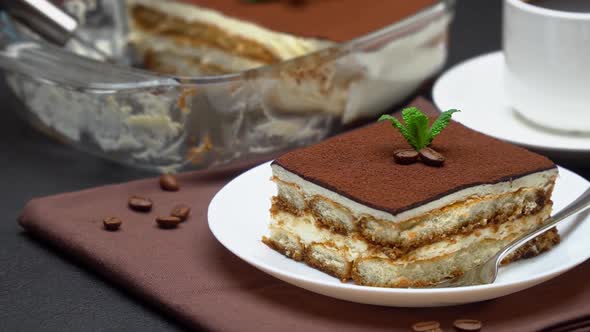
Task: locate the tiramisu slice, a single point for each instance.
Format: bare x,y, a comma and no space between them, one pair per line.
344,206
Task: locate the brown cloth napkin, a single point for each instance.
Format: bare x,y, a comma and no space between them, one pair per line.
191,277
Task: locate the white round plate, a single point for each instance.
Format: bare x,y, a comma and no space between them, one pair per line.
476,88
239,217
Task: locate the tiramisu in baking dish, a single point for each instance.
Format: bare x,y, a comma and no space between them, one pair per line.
223,36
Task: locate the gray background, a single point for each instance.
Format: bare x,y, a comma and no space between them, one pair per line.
42,290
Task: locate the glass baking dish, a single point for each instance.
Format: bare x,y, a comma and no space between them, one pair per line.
170,123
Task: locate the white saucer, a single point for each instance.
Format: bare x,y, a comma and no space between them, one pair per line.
476,88
239,217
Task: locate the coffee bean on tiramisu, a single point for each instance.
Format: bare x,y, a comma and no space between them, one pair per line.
426,326
467,325
431,158
112,223
181,211
168,222
140,204
169,182
405,156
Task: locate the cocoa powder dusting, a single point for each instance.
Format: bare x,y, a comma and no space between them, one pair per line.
359,165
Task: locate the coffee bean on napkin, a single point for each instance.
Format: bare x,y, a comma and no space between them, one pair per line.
181,211
168,222
467,324
169,182
112,223
140,204
426,326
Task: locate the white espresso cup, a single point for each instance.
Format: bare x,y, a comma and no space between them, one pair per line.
547,72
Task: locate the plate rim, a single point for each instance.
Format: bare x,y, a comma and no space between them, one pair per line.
270,269
436,93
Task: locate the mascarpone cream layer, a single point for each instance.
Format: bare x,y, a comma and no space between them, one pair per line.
542,180
308,232
282,45
178,55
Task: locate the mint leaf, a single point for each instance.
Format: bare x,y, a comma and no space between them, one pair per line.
441,123
417,124
403,130
416,130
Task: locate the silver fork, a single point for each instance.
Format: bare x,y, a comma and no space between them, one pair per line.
487,272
